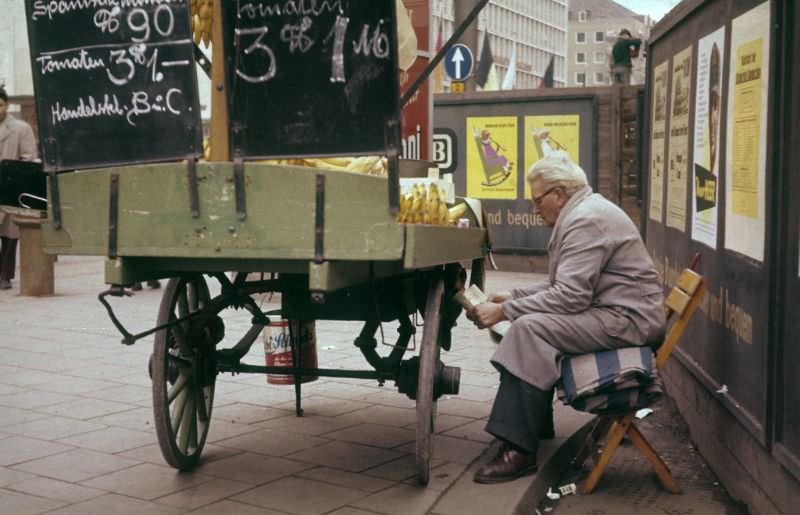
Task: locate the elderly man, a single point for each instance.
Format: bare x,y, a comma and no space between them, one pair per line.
16,142
603,293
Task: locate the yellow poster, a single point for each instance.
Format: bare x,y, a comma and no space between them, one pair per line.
678,158
551,133
746,152
657,140
492,157
746,127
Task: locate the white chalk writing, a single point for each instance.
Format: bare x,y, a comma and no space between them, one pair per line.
253,10
82,61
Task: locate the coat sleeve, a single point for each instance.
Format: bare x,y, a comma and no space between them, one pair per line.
530,290
583,254
27,144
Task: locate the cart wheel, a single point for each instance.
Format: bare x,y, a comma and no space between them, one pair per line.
183,374
428,359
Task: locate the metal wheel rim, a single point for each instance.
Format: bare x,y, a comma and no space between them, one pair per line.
182,405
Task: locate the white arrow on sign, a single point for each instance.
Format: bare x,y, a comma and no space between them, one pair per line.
458,58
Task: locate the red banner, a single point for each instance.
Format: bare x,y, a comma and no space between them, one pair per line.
416,115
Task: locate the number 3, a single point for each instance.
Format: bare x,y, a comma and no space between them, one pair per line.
257,45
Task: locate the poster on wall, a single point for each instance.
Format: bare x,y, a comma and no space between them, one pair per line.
547,134
678,159
705,168
746,156
492,157
657,140
416,115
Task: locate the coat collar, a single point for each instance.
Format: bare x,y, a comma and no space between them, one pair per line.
573,201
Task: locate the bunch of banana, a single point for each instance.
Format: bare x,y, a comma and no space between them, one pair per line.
207,149
201,21
421,206
371,165
455,213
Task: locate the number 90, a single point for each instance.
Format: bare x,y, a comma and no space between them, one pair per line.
139,22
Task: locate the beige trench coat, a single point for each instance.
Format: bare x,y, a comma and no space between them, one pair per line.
603,292
16,142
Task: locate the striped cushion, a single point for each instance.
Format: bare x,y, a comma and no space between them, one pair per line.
609,381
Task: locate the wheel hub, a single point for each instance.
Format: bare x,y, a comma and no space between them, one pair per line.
446,380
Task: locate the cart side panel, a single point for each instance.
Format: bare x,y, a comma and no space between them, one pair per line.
155,220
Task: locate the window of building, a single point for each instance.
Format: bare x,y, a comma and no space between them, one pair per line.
599,36
599,78
599,57
583,15
580,57
580,37
580,78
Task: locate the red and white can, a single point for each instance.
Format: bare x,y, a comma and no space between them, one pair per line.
278,350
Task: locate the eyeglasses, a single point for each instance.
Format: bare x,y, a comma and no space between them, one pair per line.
538,200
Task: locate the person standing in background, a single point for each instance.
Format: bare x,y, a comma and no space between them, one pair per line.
17,143
626,47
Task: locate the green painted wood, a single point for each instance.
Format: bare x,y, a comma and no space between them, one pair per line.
430,245
154,218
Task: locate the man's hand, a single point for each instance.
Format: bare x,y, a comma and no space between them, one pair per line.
486,314
500,297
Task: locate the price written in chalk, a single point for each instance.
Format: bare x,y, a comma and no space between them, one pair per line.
114,69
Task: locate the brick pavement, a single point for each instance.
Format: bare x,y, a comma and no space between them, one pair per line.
76,431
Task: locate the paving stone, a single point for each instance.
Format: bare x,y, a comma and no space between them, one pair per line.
401,500
28,377
272,442
12,416
252,468
220,430
23,504
441,476
308,425
9,476
118,505
56,490
241,413
152,453
75,385
349,510
292,495
204,494
138,419
17,449
32,399
128,393
346,479
384,415
452,449
401,469
463,408
375,435
346,456
53,428
473,431
111,439
85,409
233,507
325,406
147,481
76,465
6,389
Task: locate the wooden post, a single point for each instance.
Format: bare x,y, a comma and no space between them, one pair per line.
35,267
220,146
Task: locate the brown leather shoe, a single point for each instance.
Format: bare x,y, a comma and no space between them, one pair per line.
507,466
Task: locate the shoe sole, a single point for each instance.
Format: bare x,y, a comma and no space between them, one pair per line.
494,480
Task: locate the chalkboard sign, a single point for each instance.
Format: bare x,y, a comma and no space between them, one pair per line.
114,80
314,77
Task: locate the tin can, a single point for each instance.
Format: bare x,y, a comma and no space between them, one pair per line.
278,350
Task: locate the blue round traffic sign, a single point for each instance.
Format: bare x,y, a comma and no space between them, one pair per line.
458,62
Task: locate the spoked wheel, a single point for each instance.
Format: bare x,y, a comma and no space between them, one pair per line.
184,372
428,361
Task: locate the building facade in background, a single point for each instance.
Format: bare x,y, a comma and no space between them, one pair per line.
15,67
538,29
592,31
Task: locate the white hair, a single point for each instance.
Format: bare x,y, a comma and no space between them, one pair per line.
557,170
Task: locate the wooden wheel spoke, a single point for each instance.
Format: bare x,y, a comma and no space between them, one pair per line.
192,444
187,417
178,409
202,409
178,387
